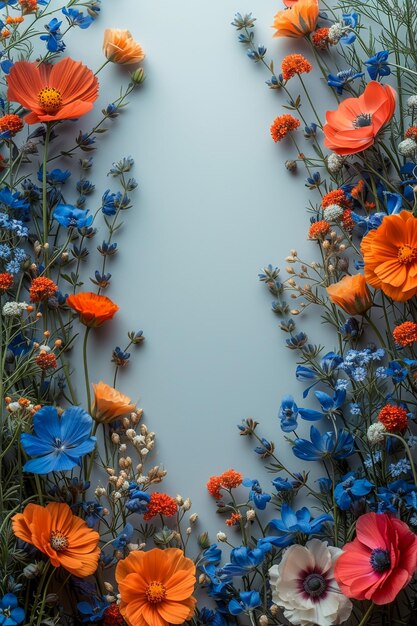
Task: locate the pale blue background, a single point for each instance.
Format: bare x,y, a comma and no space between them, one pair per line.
215,205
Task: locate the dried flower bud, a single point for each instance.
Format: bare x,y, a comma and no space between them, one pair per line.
187,504
193,518
221,536
115,437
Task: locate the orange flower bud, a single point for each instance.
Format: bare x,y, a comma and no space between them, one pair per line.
120,47
351,294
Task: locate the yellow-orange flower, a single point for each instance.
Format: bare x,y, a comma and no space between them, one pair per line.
65,538
92,308
405,334
351,294
109,404
298,20
390,256
282,125
10,123
294,64
156,587
120,47
62,91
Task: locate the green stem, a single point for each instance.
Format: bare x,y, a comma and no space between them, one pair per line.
85,361
45,212
367,615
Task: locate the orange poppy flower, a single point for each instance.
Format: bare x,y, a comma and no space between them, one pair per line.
63,91
298,20
120,47
62,536
92,308
156,587
109,404
355,124
390,256
351,294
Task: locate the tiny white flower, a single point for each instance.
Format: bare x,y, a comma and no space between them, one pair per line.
333,213
407,148
335,163
14,309
335,33
375,433
412,102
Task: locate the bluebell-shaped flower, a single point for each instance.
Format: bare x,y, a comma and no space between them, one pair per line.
123,538
53,37
377,65
325,445
248,600
93,611
77,18
69,216
341,79
256,495
291,524
11,613
351,489
59,443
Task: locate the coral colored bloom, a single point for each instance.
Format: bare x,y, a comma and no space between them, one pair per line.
160,504
228,480
405,334
156,587
411,133
336,196
109,404
28,6
42,289
320,38
6,281
112,616
46,360
282,125
390,256
304,585
120,47
63,91
318,230
62,536
347,220
11,124
357,189
355,124
394,418
298,20
351,294
233,520
295,64
380,561
14,20
92,308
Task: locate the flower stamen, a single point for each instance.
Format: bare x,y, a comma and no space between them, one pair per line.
407,254
155,592
50,99
58,541
364,119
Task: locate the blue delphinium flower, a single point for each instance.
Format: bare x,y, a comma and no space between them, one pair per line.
396,371
293,523
6,3
12,201
138,500
58,442
53,37
377,65
212,555
288,413
123,538
243,560
350,490
324,445
283,484
330,404
77,18
71,217
256,495
343,78
55,176
248,600
394,495
112,202
92,611
11,613
93,512
349,22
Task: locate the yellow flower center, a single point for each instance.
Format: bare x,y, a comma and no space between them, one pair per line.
50,100
407,254
155,592
58,541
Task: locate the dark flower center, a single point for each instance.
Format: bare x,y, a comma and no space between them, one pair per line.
364,119
380,560
58,541
314,584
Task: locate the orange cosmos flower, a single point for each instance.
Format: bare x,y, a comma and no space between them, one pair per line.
120,47
355,124
62,536
390,256
298,20
156,587
63,91
92,308
351,294
109,404
405,334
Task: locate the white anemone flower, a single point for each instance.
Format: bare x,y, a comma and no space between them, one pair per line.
304,585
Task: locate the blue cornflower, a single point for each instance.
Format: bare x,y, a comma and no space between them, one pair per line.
20,254
243,560
359,374
55,176
377,65
138,500
92,611
248,600
11,613
256,495
370,461
324,446
293,523
123,538
381,372
12,266
53,38
355,409
401,467
69,216
342,384
350,490
58,442
112,202
77,18
343,78
5,251
93,512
